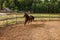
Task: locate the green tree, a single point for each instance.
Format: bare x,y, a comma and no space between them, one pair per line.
1,4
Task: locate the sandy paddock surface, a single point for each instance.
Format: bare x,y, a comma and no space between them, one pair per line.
46,30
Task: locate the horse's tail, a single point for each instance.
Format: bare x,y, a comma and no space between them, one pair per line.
32,17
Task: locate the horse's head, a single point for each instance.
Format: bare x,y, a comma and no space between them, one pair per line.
26,15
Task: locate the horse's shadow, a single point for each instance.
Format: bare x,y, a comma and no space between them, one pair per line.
42,25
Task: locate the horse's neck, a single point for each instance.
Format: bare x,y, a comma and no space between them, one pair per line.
27,16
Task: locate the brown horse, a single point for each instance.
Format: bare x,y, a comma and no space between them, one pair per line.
28,18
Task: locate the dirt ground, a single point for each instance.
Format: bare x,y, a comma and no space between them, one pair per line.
46,30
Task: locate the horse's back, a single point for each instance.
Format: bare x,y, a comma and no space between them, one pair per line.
32,17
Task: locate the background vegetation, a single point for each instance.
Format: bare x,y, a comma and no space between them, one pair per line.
37,6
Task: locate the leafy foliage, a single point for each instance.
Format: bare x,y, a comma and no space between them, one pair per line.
46,6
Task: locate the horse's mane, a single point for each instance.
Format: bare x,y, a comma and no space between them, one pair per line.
26,15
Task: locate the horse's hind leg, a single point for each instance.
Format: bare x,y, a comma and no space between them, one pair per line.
32,20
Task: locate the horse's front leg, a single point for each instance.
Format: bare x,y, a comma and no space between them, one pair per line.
25,22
